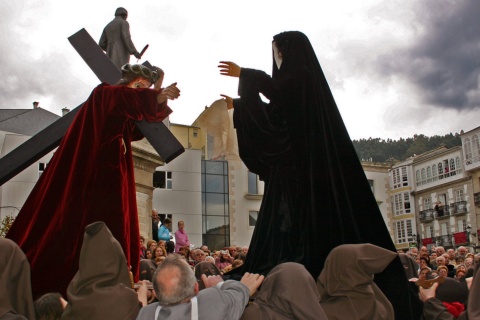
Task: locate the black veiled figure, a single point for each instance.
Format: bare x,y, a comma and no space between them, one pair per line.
316,193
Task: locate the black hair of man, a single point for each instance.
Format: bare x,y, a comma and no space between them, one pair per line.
48,306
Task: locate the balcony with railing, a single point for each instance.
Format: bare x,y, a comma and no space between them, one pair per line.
449,240
458,208
443,212
427,215
444,240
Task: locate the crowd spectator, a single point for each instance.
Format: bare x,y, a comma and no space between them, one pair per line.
142,247
179,297
451,256
164,230
170,247
152,245
440,262
159,252
439,250
181,236
442,271
462,251
424,274
155,222
433,260
49,306
199,256
424,263
162,243
458,306
224,260
148,254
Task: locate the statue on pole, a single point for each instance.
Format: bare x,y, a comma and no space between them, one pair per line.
116,40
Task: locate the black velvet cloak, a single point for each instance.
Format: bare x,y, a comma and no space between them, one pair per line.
316,193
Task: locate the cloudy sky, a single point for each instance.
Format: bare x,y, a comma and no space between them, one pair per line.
395,67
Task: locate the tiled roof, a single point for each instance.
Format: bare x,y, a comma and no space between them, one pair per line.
26,121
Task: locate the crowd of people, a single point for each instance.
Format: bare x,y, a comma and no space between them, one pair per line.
190,281
343,266
454,263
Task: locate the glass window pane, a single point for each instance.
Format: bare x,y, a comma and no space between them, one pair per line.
252,183
215,204
216,225
214,167
214,184
159,179
252,218
225,168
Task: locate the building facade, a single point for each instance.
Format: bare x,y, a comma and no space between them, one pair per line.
432,200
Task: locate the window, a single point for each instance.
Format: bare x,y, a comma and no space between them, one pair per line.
406,202
252,183
434,172
427,202
429,231
41,168
458,195
399,177
400,226
462,225
404,177
429,174
440,170
424,176
476,146
458,165
370,182
162,179
452,167
252,218
401,203
417,177
468,151
445,168
404,230
215,204
444,229
195,133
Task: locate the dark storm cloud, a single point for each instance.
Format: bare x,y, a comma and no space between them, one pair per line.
27,78
444,61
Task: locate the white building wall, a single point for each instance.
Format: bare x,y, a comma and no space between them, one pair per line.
380,192
14,192
241,203
183,201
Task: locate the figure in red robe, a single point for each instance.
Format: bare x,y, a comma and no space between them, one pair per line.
90,178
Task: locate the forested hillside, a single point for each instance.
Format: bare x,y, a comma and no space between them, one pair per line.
379,150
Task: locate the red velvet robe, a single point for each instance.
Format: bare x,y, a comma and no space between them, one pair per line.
90,178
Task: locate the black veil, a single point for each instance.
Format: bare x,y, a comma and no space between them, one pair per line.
316,193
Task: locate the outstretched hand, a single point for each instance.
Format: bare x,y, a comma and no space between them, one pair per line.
171,92
211,281
229,101
252,281
231,69
425,294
